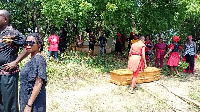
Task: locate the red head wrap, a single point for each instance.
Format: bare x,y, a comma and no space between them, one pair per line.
118,34
190,37
131,33
176,38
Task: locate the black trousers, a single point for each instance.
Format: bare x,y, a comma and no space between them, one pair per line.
9,93
190,60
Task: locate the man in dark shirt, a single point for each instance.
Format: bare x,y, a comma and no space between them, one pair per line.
102,43
91,44
10,41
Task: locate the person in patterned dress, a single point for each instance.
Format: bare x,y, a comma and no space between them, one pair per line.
148,49
33,77
190,52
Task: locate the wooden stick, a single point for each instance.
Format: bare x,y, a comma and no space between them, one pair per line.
181,97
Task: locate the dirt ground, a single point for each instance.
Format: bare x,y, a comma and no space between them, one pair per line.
97,94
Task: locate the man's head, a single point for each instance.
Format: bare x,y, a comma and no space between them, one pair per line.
52,32
4,18
102,34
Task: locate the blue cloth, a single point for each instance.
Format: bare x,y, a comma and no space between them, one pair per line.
55,53
102,47
36,67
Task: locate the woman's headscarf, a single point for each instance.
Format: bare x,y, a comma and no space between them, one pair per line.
176,38
118,34
189,37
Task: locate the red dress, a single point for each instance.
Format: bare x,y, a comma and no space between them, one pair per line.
135,62
174,56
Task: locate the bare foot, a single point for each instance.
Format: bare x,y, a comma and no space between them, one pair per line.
131,91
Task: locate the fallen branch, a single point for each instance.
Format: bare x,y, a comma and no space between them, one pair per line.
181,97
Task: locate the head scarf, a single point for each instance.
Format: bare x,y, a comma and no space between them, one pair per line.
190,37
176,38
131,33
118,34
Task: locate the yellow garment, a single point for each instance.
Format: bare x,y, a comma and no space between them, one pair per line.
134,41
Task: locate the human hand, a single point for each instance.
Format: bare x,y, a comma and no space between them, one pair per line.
145,65
7,39
9,66
165,56
149,51
27,109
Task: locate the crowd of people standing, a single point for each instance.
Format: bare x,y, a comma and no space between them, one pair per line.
140,54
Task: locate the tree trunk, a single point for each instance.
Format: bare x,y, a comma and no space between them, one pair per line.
35,21
134,25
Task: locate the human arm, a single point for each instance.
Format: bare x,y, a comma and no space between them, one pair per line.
195,50
156,48
170,50
152,46
143,57
13,64
35,92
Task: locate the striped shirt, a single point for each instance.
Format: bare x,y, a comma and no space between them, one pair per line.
189,49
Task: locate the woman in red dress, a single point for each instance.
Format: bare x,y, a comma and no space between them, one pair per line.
137,61
174,57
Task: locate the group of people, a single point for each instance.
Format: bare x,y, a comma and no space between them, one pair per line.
102,42
141,51
33,76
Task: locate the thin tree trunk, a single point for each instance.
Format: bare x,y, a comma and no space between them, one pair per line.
134,25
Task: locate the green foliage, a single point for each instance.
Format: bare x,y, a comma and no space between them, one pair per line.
195,94
166,17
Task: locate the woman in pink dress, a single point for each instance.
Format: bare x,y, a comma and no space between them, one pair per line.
160,52
137,61
174,57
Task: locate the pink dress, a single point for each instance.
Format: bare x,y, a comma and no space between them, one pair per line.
135,61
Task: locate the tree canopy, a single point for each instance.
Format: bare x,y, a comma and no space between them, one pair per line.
153,17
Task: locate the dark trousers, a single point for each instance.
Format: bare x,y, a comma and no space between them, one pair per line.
55,53
190,60
9,93
102,47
